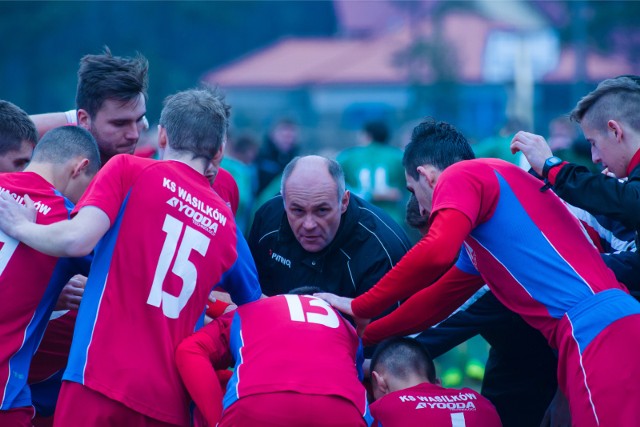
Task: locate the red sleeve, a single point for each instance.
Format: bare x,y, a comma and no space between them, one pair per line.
553,173
215,309
426,308
227,188
420,267
197,357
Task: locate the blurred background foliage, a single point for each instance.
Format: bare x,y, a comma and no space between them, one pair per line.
42,42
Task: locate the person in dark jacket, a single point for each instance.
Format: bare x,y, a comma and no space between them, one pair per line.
279,147
610,120
316,233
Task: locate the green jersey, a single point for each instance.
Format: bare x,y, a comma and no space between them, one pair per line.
375,173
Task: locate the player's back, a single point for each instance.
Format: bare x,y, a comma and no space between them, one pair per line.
533,252
171,240
26,299
433,405
294,343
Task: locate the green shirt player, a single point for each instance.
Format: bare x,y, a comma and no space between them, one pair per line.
374,171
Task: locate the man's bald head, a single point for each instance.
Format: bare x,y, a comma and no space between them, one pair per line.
318,169
314,200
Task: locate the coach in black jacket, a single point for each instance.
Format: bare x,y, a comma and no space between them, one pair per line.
320,235
610,120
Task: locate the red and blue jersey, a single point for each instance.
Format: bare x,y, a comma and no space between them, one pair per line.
171,240
27,295
294,343
49,362
551,269
429,404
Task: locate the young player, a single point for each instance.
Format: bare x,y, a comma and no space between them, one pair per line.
165,240
296,363
63,163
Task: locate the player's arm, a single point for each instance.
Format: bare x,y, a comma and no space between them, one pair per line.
420,267
73,238
47,121
195,359
426,308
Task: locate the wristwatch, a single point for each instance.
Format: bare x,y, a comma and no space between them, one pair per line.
550,163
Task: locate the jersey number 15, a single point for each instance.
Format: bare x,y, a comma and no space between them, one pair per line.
192,240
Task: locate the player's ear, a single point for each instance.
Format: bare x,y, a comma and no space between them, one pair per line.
80,167
162,137
84,119
615,127
380,387
430,174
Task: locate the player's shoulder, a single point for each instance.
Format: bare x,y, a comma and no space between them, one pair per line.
127,162
476,169
43,193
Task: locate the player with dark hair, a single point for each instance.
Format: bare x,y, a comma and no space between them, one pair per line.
373,170
63,164
407,392
18,136
296,363
150,279
556,281
377,130
111,100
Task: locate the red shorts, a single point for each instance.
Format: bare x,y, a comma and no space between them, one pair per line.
291,409
602,380
80,406
39,421
17,417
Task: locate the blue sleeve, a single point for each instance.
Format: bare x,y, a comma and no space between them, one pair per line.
241,280
465,264
360,360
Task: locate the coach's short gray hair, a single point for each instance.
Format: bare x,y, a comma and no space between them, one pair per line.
334,168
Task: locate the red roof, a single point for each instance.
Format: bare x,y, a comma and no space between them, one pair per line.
296,62
598,67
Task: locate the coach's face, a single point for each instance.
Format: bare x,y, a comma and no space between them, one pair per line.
312,207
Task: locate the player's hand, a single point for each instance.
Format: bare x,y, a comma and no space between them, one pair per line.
534,147
230,308
343,304
71,294
220,296
13,215
558,413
